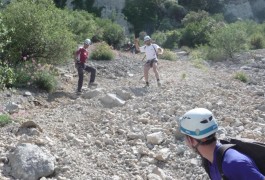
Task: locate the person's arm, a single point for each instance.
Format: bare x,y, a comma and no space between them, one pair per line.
136,43
160,50
76,56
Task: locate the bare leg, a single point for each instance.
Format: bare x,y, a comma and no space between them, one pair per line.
156,71
146,69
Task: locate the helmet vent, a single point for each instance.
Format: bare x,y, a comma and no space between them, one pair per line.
204,121
210,118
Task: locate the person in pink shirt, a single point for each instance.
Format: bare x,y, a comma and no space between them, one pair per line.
81,56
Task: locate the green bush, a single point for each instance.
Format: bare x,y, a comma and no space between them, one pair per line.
39,30
168,55
172,39
25,73
197,27
159,37
4,120
228,39
4,40
257,41
102,51
82,24
241,76
7,76
45,80
198,59
113,34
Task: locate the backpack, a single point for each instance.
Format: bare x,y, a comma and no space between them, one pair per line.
254,150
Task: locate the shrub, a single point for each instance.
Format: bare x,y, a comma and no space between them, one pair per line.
82,24
168,55
25,73
4,120
159,37
198,59
38,30
172,39
102,51
257,41
7,76
113,34
241,76
45,81
229,39
197,28
4,40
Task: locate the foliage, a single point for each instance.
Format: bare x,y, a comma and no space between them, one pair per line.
45,81
197,28
38,30
207,5
29,73
113,34
159,37
4,120
87,6
82,25
109,32
241,76
60,3
102,51
172,40
4,40
144,14
257,41
25,73
198,59
168,55
229,39
7,76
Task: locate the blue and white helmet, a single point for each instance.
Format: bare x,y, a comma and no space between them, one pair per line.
198,123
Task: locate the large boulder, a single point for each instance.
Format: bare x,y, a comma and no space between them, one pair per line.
30,162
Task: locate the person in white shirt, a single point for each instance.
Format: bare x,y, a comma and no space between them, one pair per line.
151,51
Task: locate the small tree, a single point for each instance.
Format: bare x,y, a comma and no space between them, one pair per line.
229,39
82,24
39,30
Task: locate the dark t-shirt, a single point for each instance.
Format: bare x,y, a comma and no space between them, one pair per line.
236,166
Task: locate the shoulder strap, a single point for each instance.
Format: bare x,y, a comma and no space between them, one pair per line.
220,153
154,48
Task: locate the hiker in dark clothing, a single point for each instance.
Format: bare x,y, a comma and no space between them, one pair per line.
199,127
81,56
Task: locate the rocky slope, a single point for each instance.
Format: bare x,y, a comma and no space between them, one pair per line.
121,130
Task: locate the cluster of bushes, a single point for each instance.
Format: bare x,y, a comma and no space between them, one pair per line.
216,39
42,34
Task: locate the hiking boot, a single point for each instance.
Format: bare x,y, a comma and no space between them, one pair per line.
158,83
78,92
92,84
146,85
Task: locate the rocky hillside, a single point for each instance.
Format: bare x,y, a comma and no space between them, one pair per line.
120,130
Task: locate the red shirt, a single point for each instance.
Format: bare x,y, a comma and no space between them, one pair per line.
82,54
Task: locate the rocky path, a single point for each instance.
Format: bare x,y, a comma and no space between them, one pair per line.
123,131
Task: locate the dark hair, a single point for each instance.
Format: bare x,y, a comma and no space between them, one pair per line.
208,140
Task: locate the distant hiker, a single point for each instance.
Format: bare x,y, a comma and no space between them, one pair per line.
151,51
199,127
130,47
81,56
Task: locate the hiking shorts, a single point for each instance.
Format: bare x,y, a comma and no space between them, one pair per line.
151,62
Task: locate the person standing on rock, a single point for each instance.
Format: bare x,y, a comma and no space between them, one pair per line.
81,56
199,127
151,51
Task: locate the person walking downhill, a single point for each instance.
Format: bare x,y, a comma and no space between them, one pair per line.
81,56
199,127
151,51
